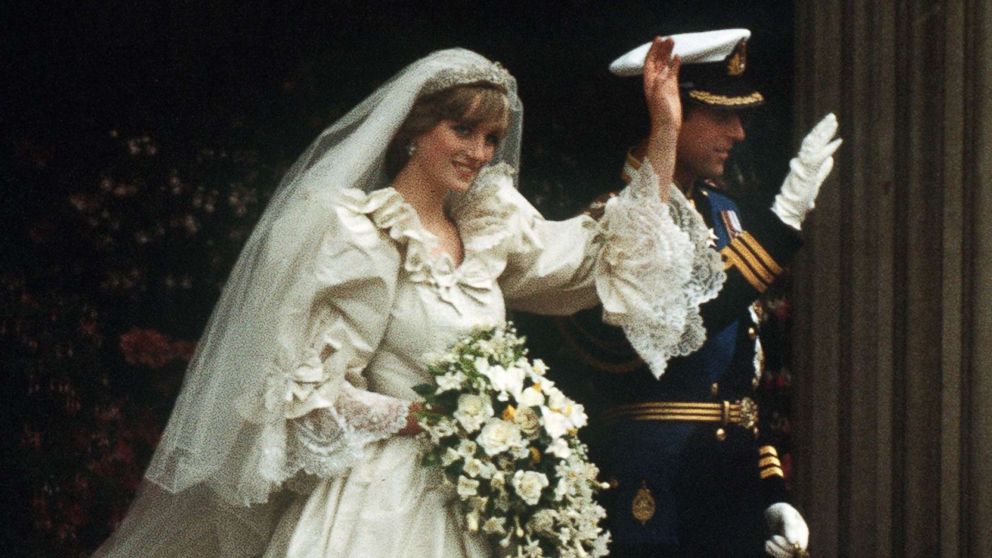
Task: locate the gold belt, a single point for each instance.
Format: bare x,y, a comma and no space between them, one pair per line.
743,412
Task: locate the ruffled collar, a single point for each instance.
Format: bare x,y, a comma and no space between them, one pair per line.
390,212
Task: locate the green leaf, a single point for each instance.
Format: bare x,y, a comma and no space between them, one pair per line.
430,459
424,389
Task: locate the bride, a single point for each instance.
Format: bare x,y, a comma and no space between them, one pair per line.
396,233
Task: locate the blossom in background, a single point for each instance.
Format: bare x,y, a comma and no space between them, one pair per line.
151,348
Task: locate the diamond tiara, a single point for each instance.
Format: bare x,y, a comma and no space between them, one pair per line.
493,73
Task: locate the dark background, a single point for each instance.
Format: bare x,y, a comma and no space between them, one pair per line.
140,141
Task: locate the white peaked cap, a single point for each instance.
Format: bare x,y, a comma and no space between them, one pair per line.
694,48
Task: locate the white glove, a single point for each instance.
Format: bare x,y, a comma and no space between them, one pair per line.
807,171
790,535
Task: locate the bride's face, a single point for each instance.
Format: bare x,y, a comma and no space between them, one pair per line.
452,153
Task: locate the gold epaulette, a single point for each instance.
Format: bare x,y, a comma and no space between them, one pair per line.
769,463
752,260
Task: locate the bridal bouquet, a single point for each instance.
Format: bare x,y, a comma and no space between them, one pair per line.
505,437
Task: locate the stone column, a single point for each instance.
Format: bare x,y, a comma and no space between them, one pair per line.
893,291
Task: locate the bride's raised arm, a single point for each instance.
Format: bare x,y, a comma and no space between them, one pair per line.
646,259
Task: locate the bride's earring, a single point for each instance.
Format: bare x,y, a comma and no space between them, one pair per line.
411,148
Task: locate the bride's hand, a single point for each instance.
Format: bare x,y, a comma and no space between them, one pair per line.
661,92
661,87
412,427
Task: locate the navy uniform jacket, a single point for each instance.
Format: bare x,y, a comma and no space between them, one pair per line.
676,483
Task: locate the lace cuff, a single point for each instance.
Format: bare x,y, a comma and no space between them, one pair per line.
328,441
655,270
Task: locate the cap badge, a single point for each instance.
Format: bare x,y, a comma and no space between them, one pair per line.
737,62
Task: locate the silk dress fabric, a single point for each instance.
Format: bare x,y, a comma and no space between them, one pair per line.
391,297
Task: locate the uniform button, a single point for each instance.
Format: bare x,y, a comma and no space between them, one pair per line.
614,483
715,389
752,333
721,434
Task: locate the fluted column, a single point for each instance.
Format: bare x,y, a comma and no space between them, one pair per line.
893,291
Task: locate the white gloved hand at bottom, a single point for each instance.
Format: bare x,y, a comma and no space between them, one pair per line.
790,534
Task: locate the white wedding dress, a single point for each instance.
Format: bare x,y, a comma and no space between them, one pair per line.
389,303
284,439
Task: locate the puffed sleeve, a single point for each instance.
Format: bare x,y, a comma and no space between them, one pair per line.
647,261
318,388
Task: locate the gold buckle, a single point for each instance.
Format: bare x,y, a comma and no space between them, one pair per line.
748,413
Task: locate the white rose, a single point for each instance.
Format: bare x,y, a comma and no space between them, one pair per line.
472,411
498,436
528,421
531,397
528,485
467,487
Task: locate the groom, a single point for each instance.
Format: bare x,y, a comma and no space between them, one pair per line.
690,473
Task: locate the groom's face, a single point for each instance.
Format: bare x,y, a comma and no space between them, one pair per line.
705,141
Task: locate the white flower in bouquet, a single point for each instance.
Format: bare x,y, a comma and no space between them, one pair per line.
507,381
466,449
506,439
539,367
532,396
577,414
560,448
473,410
528,421
528,485
450,382
557,399
543,522
479,468
442,429
555,423
450,456
498,436
494,526
467,487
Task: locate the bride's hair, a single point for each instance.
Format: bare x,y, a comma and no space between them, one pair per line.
470,104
